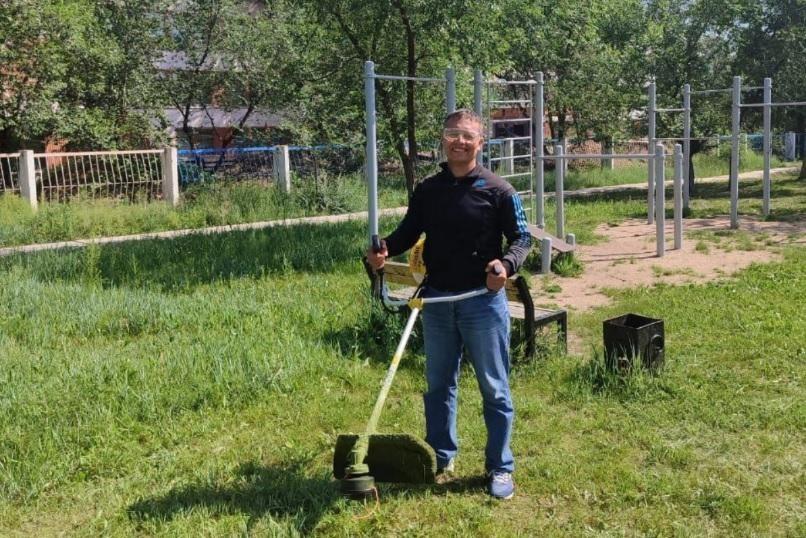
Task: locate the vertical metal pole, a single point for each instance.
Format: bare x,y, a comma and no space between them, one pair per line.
736,116
767,146
559,189
532,181
507,156
539,210
678,196
371,161
564,142
450,98
659,200
478,88
686,144
650,112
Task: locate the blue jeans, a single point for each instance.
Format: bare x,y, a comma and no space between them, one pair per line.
481,326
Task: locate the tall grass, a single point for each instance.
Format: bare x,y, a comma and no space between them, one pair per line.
210,204
221,203
197,385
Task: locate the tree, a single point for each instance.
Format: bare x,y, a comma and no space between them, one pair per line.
589,57
405,37
232,55
690,43
75,71
32,65
771,42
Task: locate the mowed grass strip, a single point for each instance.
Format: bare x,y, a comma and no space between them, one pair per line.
197,386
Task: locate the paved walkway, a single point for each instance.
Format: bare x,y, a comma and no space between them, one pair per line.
362,215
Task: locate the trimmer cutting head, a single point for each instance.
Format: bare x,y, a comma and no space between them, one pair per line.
391,458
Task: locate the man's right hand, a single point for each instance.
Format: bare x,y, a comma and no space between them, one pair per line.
377,259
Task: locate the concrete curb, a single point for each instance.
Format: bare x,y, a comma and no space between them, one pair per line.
324,219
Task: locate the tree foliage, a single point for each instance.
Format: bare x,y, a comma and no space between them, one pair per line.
78,71
86,72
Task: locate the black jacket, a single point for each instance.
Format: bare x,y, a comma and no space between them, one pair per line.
464,221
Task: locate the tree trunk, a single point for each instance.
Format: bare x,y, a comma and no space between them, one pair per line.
410,159
802,130
397,138
695,148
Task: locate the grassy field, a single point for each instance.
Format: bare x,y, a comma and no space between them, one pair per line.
220,203
196,386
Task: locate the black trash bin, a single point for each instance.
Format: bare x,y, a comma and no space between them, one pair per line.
631,335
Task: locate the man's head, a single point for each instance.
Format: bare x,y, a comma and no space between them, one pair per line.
462,136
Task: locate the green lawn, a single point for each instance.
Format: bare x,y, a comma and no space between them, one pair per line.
196,387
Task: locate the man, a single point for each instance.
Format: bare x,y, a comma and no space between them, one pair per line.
465,211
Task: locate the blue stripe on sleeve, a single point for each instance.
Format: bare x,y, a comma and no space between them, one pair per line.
520,220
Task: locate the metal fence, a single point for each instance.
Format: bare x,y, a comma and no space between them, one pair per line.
9,173
130,175
258,163
237,164
311,161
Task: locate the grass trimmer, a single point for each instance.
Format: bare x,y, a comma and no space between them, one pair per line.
361,460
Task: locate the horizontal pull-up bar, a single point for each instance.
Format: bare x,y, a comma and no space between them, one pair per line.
513,120
502,140
522,174
511,82
509,158
761,105
413,79
725,90
791,103
598,156
704,92
512,102
670,138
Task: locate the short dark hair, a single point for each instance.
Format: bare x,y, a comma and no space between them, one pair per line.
464,114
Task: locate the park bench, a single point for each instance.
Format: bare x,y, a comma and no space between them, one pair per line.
519,299
557,243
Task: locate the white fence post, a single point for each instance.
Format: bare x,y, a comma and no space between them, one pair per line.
606,162
170,175
282,168
545,256
27,177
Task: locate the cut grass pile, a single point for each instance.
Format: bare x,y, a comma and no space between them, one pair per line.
196,387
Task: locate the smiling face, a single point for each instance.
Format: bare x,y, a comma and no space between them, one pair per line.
462,140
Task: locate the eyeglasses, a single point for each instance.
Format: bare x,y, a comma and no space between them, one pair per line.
452,135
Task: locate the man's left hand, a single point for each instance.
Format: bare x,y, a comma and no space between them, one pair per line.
496,275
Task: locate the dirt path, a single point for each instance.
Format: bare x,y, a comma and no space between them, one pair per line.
627,258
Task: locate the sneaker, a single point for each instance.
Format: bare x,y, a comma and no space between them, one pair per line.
449,467
501,485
